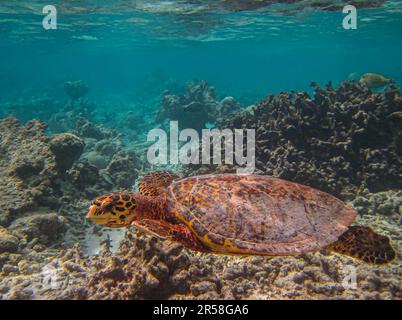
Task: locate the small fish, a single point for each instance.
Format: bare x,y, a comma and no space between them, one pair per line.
374,80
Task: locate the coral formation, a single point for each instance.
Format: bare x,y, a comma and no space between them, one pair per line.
47,183
386,203
196,107
339,141
45,227
67,148
122,169
8,243
28,167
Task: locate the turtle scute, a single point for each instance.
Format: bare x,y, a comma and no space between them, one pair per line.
249,214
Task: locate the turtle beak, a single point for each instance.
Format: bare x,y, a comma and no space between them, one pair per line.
92,211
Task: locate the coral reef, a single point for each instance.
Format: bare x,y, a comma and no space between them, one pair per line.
346,141
196,107
386,203
44,228
28,167
47,183
8,243
122,169
340,141
67,148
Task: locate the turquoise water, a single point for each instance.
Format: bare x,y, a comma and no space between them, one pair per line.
116,48
144,63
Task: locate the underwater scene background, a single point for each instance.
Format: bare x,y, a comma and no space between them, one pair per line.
77,103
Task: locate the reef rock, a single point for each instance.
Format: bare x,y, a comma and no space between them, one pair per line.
67,148
86,178
27,165
122,169
385,203
8,243
44,227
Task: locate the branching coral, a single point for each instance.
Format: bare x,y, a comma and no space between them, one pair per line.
338,141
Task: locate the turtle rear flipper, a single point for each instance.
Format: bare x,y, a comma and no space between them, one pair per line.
364,244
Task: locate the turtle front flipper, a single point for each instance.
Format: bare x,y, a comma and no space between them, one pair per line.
364,244
154,183
174,232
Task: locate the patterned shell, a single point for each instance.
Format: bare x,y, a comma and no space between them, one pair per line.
259,214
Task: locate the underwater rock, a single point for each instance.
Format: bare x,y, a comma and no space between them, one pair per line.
89,130
27,165
337,141
61,122
44,227
86,178
76,89
8,243
97,160
122,169
67,148
384,203
107,148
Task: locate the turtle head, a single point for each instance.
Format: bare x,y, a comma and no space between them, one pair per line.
113,211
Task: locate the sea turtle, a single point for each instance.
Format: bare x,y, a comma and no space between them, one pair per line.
241,214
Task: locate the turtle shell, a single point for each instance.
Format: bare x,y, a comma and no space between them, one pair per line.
250,214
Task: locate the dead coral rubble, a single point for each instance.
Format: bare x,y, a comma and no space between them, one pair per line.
338,141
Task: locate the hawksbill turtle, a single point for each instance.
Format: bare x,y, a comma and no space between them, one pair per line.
241,214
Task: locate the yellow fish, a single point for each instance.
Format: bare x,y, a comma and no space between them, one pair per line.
374,80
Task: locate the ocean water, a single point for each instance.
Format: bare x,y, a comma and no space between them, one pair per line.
114,49
129,54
